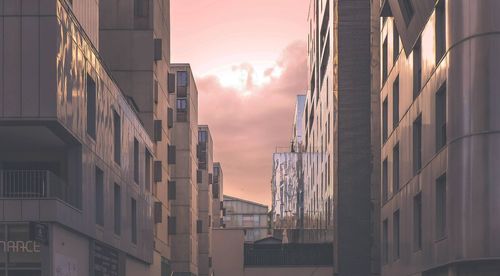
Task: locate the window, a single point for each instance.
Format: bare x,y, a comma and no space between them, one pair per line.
172,190
406,10
141,8
417,145
99,197
199,176
181,105
395,235
171,83
136,161
158,212
395,103
172,225
147,170
210,178
417,69
385,127
91,107
385,242
199,226
117,140
182,83
158,171
384,181
202,136
117,200
133,219
166,268
441,117
171,154
395,169
158,49
170,114
384,61
158,130
417,222
395,42
441,207
440,30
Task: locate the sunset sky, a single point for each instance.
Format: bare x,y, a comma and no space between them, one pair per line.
249,58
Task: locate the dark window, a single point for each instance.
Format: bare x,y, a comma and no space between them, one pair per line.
91,107
199,226
385,242
395,43
395,169
182,110
440,30
141,8
171,83
158,171
417,222
210,178
215,191
133,219
171,154
199,176
395,235
417,69
202,136
441,117
395,103
406,10
99,197
417,145
158,130
172,225
117,209
147,170
182,83
172,190
385,125
166,268
441,207
136,161
158,49
117,134
156,92
385,60
384,181
158,212
170,122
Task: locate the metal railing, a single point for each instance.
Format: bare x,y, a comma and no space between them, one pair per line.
31,184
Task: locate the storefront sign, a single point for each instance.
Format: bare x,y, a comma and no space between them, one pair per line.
20,246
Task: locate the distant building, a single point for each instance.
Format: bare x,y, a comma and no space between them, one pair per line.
251,217
218,197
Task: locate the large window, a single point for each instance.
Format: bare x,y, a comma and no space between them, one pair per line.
133,220
117,200
91,107
385,125
182,109
395,103
99,197
417,68
441,117
417,222
182,83
395,42
117,137
407,10
440,30
441,207
417,145
395,235
395,169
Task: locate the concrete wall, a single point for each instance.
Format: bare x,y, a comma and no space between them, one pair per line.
227,252
288,271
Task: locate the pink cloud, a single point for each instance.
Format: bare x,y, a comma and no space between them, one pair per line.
247,128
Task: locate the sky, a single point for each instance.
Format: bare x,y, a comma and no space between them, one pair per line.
249,59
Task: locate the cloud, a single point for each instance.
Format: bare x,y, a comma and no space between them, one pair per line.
248,125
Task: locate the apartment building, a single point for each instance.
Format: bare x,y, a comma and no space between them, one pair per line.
135,45
75,156
183,187
218,197
440,137
251,217
339,172
204,179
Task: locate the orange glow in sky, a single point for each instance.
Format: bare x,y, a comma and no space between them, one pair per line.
249,61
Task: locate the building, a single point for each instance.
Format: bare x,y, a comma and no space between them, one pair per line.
248,216
134,42
205,182
76,156
218,197
298,124
440,137
183,161
340,176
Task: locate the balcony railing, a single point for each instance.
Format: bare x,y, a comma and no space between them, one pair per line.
28,184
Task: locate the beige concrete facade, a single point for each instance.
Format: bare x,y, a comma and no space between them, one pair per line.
184,168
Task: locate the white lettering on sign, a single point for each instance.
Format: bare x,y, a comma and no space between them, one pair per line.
20,246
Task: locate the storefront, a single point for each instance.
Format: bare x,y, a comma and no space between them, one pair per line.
19,254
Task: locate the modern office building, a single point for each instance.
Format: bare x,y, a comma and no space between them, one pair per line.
204,179
75,154
440,130
218,197
251,217
134,42
183,187
339,171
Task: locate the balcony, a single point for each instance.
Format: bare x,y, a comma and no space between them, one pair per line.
32,184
